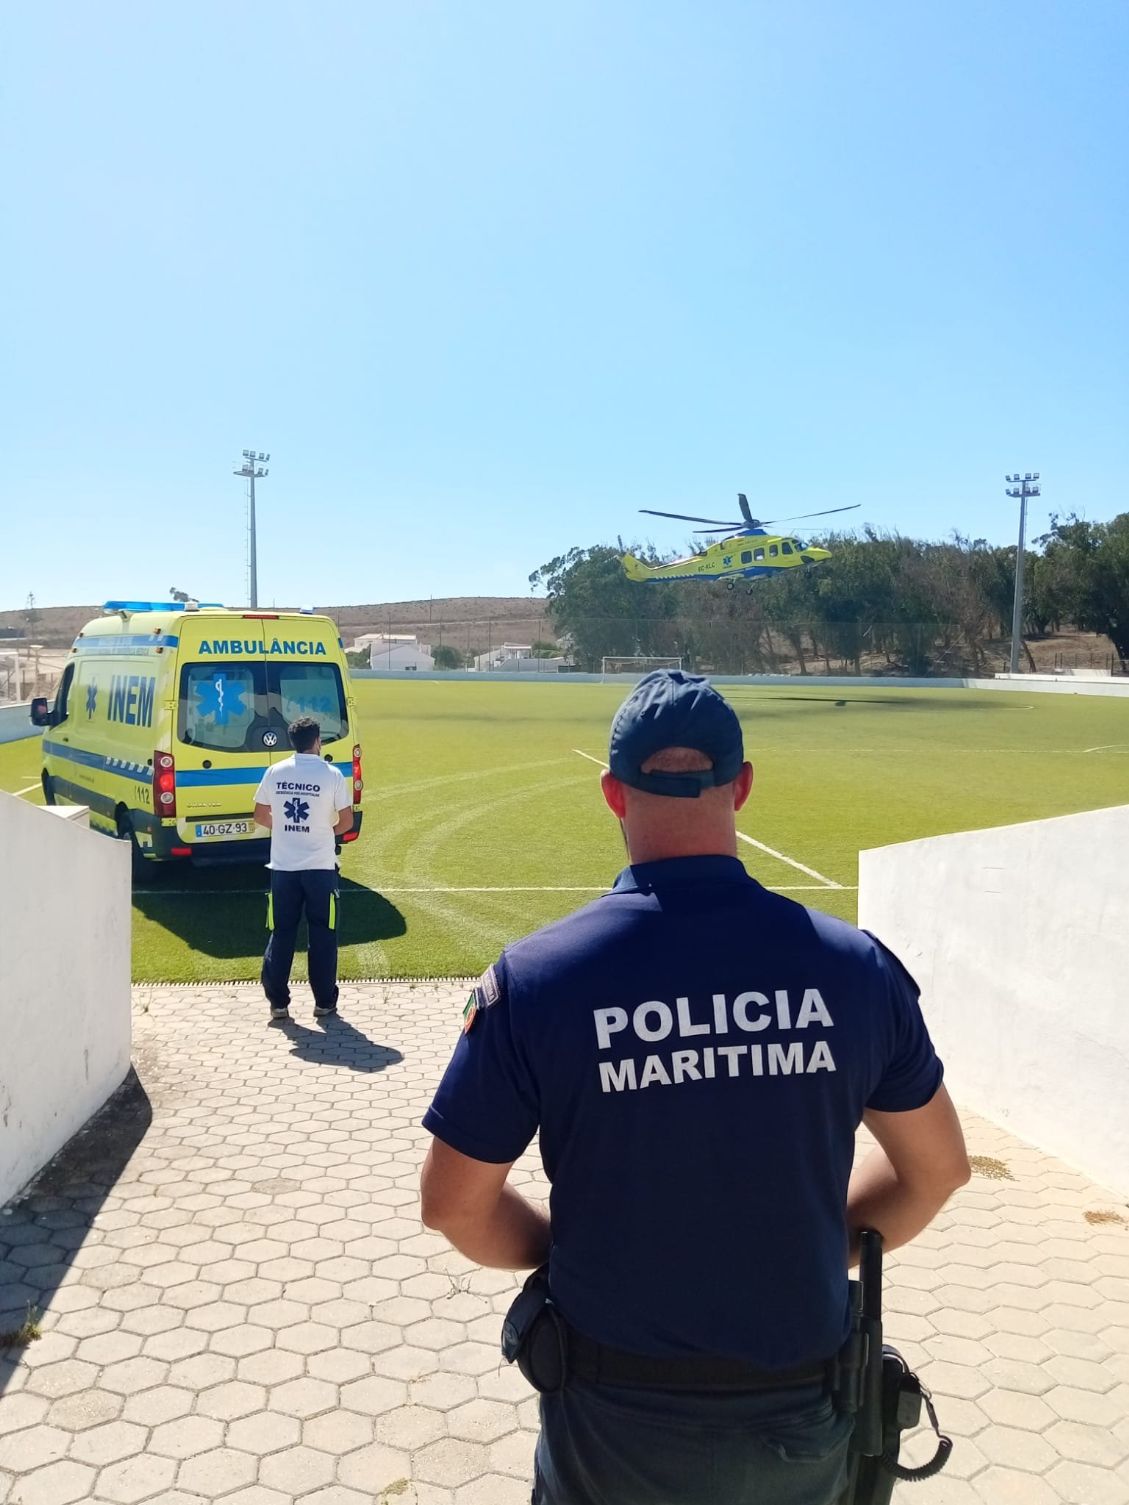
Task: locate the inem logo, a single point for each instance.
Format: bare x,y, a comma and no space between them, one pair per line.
248,647
131,699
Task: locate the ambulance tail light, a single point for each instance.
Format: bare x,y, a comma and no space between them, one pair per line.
358,777
164,785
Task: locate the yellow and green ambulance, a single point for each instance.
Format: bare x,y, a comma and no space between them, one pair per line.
167,716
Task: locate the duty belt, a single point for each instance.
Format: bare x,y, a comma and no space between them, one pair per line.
549,1352
597,1364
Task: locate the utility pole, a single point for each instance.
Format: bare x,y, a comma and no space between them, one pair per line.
252,470
1020,487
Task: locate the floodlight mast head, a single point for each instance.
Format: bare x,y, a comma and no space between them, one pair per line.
253,469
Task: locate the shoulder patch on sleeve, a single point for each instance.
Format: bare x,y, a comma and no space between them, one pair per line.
488,988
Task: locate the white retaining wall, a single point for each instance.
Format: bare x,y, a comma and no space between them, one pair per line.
1019,938
64,982
15,722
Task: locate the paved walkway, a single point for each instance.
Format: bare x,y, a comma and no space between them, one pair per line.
240,1303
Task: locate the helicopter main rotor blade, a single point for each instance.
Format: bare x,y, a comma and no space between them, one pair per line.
686,518
798,516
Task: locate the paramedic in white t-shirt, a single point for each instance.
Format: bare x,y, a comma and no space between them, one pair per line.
307,805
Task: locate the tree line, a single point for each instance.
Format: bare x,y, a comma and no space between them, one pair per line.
884,601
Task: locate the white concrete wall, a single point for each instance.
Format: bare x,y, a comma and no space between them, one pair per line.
1019,938
64,982
15,722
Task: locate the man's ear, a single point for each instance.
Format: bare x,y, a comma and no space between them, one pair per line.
615,796
742,785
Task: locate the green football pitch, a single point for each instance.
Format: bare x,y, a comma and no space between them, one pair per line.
483,815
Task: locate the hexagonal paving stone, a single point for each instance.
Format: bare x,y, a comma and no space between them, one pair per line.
55,1484
108,1443
66,1377
216,1472
337,1494
74,1413
304,1397
32,1447
202,1370
1082,1484
338,1365
372,1469
1003,1486
298,1469
513,1455
136,1478
451,1462
493,1489
338,1432
152,1407
481,1420
1085,1406
232,1399
23,1410
265,1432
186,1436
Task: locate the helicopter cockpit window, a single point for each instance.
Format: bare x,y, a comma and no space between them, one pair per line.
746,557
758,553
785,547
772,551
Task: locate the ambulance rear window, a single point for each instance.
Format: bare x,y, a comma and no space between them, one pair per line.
232,707
311,690
217,705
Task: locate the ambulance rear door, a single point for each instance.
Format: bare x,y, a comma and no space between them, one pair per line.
228,728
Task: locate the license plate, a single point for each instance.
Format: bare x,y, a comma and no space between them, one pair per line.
224,828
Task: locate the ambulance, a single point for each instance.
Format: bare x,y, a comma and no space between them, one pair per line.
168,715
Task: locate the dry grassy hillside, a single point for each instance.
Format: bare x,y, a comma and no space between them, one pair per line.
445,619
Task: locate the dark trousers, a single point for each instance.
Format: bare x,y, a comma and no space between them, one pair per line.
316,893
604,1446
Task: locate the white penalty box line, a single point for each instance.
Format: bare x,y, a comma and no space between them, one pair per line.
823,880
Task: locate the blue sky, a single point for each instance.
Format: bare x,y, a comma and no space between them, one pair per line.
487,279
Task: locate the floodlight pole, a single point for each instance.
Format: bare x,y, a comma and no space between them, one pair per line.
1021,487
252,470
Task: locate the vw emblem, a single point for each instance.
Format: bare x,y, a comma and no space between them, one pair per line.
270,739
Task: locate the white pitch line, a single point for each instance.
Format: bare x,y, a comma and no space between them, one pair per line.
1106,747
791,861
28,790
772,852
261,893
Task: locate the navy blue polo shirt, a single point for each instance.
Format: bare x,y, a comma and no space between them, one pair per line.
696,1053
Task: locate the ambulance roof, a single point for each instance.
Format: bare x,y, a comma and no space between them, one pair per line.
163,616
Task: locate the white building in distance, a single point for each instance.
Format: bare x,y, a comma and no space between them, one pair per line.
517,658
396,650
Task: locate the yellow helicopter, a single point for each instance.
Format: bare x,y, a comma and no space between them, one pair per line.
745,554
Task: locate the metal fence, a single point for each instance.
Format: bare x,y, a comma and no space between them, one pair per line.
742,644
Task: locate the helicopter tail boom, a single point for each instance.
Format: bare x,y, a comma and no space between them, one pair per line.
634,568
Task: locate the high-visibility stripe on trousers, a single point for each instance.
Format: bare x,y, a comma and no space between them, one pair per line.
314,894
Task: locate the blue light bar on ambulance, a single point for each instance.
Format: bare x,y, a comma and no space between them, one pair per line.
154,605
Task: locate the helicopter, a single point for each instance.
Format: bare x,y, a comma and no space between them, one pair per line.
730,558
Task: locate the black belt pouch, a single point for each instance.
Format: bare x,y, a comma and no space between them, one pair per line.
534,1335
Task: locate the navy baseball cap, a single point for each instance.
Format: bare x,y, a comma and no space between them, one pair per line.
671,709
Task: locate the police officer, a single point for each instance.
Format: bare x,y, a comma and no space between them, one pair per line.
696,1053
307,805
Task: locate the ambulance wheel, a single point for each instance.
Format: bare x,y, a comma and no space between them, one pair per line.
140,869
48,789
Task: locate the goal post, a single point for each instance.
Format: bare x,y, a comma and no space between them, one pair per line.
635,665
